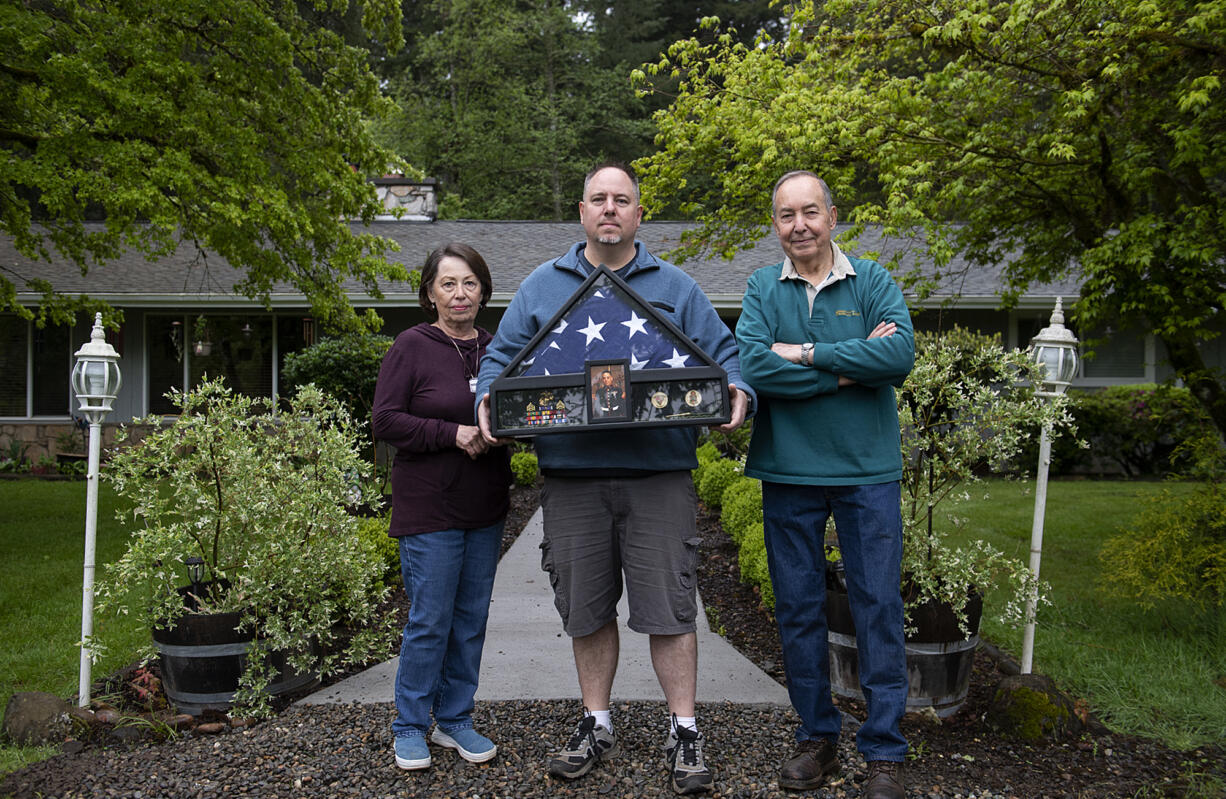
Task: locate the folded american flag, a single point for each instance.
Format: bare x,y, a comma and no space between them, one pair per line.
606,323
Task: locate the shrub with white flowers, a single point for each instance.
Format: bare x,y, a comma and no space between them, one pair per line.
965,410
260,497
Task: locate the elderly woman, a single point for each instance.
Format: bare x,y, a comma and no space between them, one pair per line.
449,502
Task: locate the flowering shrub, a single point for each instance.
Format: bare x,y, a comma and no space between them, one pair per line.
260,498
1139,427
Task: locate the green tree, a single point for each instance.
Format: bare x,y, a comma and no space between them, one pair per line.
235,125
631,33
499,102
344,367
1082,138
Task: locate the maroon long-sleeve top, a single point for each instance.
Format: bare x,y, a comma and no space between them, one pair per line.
421,399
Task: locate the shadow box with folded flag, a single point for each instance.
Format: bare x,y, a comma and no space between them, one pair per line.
609,359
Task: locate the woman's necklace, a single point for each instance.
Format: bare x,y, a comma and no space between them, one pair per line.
472,377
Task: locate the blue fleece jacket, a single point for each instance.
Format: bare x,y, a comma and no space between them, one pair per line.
808,430
676,296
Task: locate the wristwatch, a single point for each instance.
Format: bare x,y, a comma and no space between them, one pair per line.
806,354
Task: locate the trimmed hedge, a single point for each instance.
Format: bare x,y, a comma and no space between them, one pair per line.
372,532
754,569
741,507
524,467
722,487
714,478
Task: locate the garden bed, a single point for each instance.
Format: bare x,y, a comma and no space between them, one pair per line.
307,750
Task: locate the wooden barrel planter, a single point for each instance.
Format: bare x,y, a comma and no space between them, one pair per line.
203,656
939,656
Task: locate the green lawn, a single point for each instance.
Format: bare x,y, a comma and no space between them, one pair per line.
1159,672
42,546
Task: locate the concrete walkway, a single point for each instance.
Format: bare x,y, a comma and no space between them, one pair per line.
527,656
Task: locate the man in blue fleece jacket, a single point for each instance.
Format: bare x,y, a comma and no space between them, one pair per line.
824,339
620,505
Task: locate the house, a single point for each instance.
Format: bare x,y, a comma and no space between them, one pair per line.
182,318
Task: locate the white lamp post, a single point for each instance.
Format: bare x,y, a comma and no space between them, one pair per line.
1055,351
95,381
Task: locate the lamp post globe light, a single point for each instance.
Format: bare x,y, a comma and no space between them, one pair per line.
95,382
1054,349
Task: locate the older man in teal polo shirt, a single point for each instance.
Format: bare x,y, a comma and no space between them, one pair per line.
824,339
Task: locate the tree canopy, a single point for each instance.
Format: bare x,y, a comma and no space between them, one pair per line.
509,102
235,125
1059,137
498,100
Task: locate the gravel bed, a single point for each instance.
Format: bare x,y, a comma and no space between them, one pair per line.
345,751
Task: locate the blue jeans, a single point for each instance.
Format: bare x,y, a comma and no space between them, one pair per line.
869,525
449,577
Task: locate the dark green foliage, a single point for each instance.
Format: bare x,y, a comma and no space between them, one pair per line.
344,366
524,467
1139,430
500,102
508,104
1174,549
733,445
1139,427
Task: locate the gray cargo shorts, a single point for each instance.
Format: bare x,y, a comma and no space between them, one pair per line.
601,531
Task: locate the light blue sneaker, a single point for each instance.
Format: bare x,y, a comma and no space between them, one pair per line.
412,752
472,745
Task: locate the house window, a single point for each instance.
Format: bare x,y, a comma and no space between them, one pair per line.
36,364
293,333
52,368
238,348
14,352
247,350
164,346
1117,354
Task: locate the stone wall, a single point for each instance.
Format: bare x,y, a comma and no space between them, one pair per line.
40,438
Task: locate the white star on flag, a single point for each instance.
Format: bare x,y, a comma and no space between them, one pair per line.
635,324
635,363
592,331
677,361
558,330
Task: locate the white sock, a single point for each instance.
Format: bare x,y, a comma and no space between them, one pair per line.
604,718
683,721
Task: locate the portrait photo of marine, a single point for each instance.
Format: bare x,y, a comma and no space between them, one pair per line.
607,380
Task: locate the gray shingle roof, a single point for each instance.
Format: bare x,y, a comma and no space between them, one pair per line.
512,249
